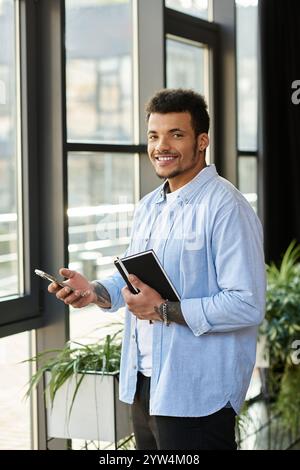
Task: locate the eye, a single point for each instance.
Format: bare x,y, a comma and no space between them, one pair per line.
177,135
151,137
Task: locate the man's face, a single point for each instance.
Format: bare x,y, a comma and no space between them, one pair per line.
173,149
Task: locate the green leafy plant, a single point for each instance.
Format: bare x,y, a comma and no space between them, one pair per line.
75,360
281,328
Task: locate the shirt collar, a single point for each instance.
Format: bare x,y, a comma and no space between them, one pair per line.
187,191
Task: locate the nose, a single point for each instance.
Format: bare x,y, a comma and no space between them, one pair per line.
162,144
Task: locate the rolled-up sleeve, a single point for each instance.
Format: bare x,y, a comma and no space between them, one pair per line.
238,257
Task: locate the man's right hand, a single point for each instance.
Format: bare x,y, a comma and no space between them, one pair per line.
83,293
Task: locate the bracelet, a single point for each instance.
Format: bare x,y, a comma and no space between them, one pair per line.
163,310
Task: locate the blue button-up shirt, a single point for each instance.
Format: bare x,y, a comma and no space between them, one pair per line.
212,250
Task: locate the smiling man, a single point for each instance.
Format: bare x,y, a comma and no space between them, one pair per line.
175,152
186,366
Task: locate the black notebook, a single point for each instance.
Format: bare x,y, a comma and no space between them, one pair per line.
147,267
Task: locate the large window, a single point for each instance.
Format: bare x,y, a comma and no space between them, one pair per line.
18,181
191,57
246,31
186,64
247,97
102,160
247,102
99,70
10,210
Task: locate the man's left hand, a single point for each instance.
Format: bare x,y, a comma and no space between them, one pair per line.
142,304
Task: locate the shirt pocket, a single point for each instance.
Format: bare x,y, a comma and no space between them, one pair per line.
193,267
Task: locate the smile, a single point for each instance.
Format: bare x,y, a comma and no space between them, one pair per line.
165,160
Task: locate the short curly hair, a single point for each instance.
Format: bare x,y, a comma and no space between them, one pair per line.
179,100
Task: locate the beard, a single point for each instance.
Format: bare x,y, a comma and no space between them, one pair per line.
171,175
180,171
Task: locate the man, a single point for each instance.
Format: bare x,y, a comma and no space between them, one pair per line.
187,370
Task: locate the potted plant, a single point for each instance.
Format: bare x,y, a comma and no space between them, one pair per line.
281,330
271,419
81,388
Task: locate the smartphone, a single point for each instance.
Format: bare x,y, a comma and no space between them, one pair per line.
51,278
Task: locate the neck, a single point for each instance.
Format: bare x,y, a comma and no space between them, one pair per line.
184,178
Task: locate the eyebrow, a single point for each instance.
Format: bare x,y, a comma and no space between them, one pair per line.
176,129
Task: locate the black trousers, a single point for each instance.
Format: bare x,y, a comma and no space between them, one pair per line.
213,432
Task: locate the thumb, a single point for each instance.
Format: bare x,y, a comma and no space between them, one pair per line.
66,273
135,281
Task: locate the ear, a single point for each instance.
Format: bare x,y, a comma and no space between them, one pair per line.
202,141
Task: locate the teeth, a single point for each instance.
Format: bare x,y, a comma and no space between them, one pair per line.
164,159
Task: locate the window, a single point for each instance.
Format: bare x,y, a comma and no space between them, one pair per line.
199,8
99,70
186,64
247,179
191,58
101,205
102,160
18,177
247,97
246,32
10,210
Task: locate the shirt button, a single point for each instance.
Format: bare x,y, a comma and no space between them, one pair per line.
133,336
134,367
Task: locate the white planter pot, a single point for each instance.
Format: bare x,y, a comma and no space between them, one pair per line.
262,354
97,413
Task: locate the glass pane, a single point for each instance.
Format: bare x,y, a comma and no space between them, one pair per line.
14,410
99,70
247,174
246,24
9,273
186,65
101,205
191,7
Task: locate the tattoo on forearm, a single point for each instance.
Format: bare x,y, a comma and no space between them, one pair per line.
103,297
175,313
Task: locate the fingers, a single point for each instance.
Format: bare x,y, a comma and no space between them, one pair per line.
65,272
65,292
76,292
53,288
136,282
75,298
